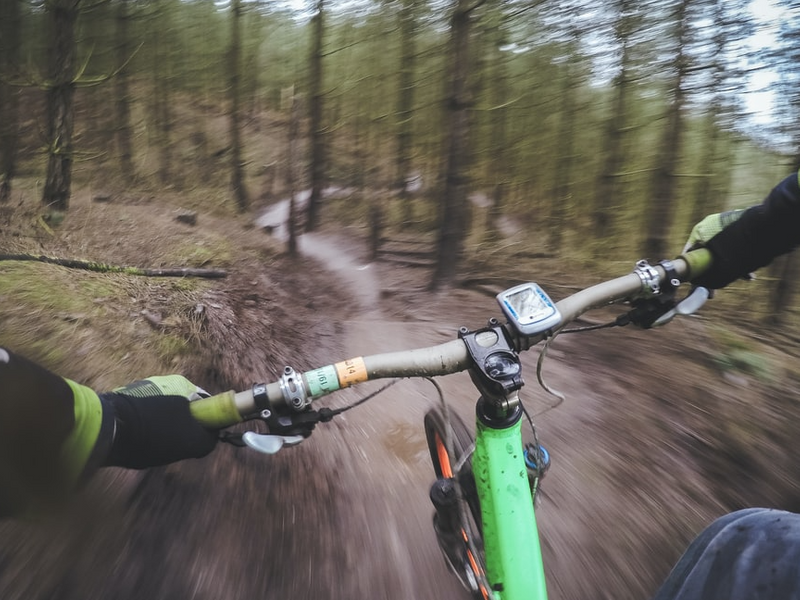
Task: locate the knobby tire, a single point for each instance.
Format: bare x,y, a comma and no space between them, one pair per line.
444,466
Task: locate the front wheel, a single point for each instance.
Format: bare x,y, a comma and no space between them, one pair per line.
457,517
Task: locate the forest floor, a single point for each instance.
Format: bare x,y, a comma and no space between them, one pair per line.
661,430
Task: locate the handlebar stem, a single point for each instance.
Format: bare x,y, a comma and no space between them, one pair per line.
496,369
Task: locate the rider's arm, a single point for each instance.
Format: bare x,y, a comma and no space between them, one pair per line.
758,235
54,432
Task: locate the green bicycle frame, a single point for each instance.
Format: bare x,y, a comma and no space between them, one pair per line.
510,535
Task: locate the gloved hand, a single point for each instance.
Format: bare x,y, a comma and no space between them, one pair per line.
709,227
721,272
153,423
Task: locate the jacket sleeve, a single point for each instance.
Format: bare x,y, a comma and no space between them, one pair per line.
762,233
49,433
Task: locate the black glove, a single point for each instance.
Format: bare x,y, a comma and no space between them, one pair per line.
154,427
755,237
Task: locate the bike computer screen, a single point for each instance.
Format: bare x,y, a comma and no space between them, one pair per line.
529,309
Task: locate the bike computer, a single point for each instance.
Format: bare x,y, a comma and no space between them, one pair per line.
529,309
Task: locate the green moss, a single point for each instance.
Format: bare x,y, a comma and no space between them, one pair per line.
737,353
43,306
188,284
36,286
170,346
34,345
54,218
59,316
216,252
745,361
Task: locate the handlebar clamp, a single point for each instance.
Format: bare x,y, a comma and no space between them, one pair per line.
293,390
659,294
650,279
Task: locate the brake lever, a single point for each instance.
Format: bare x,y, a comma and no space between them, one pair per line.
268,443
688,306
288,430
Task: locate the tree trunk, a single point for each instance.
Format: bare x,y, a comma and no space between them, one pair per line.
405,107
72,263
317,133
291,179
709,193
663,185
9,95
162,31
235,66
62,16
562,188
497,76
608,187
454,214
787,269
124,131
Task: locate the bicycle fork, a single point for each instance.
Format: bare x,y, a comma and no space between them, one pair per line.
510,534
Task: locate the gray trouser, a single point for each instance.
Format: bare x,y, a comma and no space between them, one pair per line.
751,554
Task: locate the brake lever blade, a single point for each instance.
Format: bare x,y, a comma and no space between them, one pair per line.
269,444
693,302
688,306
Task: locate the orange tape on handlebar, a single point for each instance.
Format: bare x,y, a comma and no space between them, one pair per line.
351,371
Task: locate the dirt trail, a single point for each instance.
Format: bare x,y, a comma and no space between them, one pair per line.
388,470
618,507
387,466
637,467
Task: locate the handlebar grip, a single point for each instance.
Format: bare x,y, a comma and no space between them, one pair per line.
697,262
217,411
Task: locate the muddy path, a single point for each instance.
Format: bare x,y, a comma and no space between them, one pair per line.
343,516
635,474
637,466
384,514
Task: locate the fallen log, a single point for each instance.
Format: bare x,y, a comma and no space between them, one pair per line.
105,268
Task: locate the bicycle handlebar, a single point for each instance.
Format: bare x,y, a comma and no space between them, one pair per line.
299,389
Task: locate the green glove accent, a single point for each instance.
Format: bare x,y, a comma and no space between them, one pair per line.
163,385
88,416
711,226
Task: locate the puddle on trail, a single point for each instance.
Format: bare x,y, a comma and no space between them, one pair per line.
405,441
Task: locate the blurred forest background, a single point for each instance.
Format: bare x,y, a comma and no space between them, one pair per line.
605,127
558,141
